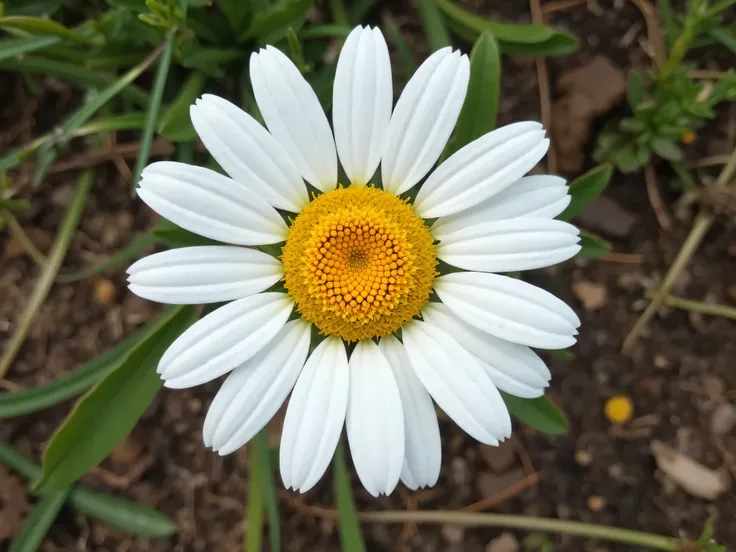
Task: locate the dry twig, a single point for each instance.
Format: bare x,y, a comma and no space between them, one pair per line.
545,105
663,219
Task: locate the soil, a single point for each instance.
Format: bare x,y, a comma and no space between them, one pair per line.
678,374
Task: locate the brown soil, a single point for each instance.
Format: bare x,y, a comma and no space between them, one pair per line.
678,373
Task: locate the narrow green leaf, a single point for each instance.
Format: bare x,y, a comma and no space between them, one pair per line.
358,9
351,538
70,385
667,16
260,449
276,17
561,354
175,236
162,72
724,37
37,8
325,31
39,26
592,246
666,148
256,500
686,178
634,89
175,123
209,60
478,115
121,513
539,413
126,121
586,187
39,522
512,38
108,412
434,25
18,46
236,12
403,52
76,73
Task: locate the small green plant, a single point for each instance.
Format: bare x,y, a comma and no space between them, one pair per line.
667,105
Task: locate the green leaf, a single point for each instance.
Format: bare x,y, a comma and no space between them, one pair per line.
401,48
209,60
175,124
513,38
108,412
70,385
39,522
358,9
175,236
39,26
561,354
478,115
435,27
724,37
118,512
585,188
592,246
667,16
666,148
277,17
351,539
539,413
39,8
236,12
325,31
634,89
157,94
686,179
18,46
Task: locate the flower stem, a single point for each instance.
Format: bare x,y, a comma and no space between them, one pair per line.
726,311
577,528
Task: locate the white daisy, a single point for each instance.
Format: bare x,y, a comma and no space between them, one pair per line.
359,264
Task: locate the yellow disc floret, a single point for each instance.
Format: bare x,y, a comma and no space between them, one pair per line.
359,263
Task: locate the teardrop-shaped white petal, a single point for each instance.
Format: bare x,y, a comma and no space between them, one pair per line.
539,196
423,448
255,390
224,339
457,383
423,119
294,116
481,169
509,308
361,103
507,245
210,204
375,420
248,152
315,416
513,368
203,274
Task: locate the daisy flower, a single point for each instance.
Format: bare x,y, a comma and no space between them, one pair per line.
364,332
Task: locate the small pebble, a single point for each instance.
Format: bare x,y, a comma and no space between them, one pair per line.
505,542
104,291
723,419
453,534
596,503
583,457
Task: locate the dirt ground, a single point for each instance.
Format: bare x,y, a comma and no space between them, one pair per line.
678,375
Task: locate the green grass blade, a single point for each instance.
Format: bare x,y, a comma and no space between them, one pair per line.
50,270
41,26
126,121
403,52
18,46
668,22
725,38
39,522
74,72
154,107
358,9
72,384
434,25
351,538
325,31
260,446
121,513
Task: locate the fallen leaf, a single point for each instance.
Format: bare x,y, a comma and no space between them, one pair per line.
505,542
592,295
723,419
693,477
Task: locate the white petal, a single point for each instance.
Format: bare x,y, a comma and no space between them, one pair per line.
294,116
509,309
457,383
361,102
423,119
206,274
513,368
248,152
210,204
539,196
481,169
255,390
315,416
375,420
521,243
423,448
224,339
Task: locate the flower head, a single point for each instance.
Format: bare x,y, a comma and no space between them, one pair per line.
359,263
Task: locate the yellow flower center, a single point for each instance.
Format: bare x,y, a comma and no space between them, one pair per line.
359,263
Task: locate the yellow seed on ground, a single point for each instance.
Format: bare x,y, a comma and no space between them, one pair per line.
619,409
359,263
688,137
